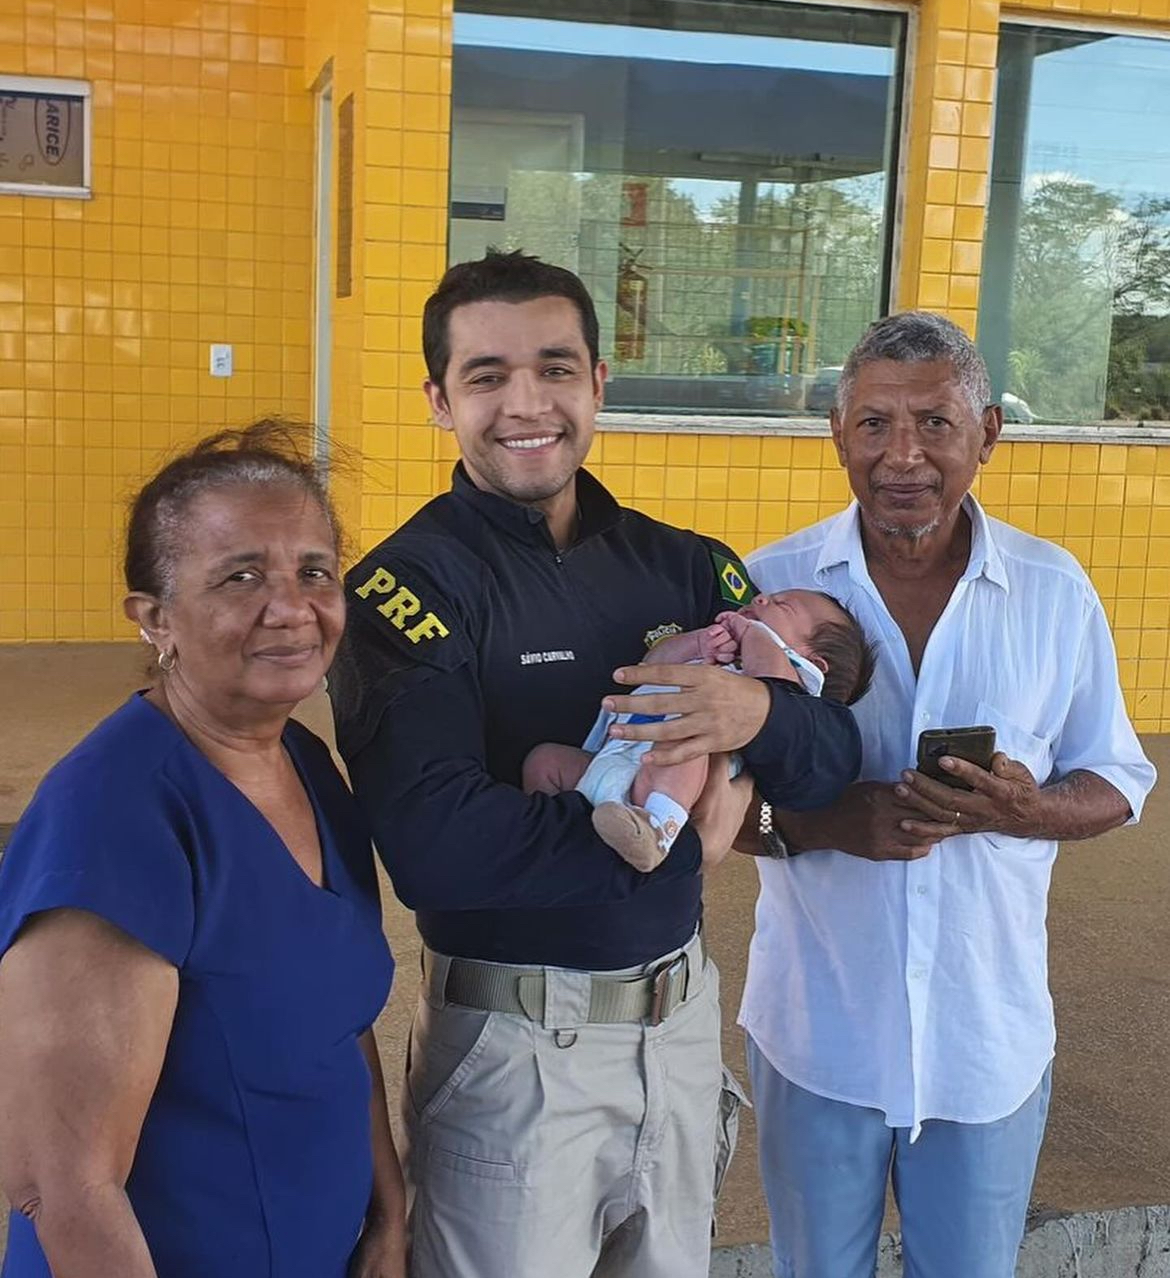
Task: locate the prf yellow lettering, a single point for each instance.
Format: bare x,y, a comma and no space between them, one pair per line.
381,583
430,627
403,603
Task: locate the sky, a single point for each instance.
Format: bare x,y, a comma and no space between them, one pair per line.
1101,111
713,48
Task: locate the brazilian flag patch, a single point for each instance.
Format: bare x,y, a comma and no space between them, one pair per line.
734,583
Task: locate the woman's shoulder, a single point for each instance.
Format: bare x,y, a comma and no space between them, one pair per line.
107,832
126,754
116,785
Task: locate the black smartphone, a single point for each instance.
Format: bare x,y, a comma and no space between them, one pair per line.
976,745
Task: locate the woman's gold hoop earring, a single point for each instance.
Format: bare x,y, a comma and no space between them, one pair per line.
167,661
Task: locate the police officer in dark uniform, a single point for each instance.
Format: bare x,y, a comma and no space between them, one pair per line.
564,1083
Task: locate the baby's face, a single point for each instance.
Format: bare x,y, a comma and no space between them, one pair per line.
794,615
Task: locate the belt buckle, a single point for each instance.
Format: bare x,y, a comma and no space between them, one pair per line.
661,1003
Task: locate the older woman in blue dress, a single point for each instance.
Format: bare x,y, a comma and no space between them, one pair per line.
190,928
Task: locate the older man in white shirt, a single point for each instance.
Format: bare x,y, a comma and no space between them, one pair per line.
897,1004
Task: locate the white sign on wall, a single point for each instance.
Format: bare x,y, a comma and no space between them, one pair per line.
44,136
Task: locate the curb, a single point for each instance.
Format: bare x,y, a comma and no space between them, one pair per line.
1129,1242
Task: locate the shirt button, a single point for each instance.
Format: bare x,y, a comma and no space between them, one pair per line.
921,889
918,973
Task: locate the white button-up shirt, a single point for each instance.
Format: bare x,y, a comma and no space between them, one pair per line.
920,988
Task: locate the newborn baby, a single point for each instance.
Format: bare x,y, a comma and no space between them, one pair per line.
638,808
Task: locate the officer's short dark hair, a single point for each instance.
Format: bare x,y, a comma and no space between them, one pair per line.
843,647
499,277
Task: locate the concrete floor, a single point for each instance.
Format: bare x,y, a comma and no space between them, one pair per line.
1108,1141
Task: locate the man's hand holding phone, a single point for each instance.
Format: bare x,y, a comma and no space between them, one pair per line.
963,785
983,791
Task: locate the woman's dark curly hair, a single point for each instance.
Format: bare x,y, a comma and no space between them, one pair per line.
270,451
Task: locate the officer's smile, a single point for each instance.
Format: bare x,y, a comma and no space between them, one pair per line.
531,443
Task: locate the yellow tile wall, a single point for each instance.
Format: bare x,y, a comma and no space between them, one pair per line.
395,60
199,231
1110,505
335,42
408,76
952,70
202,231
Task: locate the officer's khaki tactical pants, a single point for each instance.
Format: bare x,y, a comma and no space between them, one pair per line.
546,1150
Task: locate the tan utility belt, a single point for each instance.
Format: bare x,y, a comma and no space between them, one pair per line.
495,987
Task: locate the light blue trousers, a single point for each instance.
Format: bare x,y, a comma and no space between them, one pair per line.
962,1188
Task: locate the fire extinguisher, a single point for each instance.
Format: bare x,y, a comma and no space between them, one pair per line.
630,321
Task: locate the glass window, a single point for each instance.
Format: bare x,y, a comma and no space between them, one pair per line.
1075,309
718,174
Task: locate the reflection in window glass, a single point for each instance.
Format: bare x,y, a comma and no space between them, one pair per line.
1075,310
724,192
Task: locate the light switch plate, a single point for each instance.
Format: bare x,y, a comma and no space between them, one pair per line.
221,359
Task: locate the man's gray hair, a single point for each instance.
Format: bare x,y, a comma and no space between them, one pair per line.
915,337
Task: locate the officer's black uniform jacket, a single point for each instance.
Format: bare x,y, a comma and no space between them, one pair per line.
471,640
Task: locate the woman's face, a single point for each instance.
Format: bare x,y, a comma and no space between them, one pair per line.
256,609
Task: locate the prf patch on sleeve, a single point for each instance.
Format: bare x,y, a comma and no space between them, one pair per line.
735,586
401,607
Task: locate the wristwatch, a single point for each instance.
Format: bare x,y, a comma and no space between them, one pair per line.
772,841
